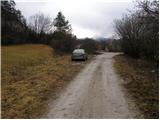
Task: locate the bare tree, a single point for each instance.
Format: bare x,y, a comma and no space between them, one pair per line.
139,31
40,23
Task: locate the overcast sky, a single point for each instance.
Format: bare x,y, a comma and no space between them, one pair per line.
89,18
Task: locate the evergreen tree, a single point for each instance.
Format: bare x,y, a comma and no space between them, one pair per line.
61,24
13,24
63,40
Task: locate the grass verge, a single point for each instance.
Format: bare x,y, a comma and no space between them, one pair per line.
31,74
141,80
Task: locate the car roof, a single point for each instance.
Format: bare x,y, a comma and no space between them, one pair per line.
79,50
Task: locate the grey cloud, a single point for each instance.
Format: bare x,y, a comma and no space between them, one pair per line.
94,16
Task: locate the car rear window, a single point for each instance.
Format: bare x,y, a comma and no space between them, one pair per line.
78,51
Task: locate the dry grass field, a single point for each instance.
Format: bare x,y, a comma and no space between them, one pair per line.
31,74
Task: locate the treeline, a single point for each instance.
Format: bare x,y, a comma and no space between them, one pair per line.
14,27
40,29
139,31
13,24
113,45
110,45
89,44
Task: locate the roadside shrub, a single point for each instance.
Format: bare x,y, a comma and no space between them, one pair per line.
139,31
114,45
89,45
62,42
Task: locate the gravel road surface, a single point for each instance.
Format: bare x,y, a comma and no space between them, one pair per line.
94,93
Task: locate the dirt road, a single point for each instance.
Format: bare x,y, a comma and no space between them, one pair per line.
94,93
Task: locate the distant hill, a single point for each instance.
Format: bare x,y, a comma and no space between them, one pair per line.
107,40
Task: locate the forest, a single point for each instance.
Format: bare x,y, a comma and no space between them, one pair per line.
40,29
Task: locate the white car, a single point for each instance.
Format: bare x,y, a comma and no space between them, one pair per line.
79,54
